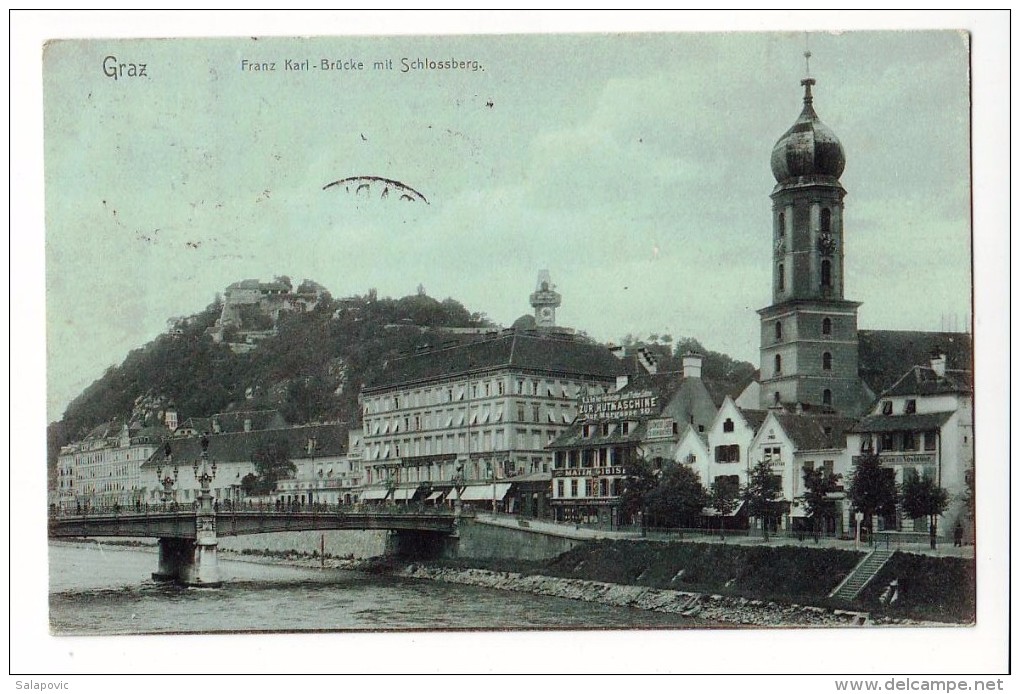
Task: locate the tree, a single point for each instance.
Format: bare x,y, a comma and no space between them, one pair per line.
723,497
250,485
762,495
272,463
640,481
678,498
818,486
923,497
872,488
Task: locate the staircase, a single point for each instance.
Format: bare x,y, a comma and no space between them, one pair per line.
855,581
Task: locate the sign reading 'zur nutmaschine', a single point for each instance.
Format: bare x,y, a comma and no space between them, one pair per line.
619,405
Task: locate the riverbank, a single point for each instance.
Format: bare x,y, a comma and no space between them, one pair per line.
758,585
714,608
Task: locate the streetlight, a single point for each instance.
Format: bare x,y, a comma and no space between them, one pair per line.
168,482
204,478
458,480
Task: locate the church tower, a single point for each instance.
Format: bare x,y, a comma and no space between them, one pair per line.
545,300
809,332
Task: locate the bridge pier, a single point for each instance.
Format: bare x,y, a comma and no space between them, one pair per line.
188,562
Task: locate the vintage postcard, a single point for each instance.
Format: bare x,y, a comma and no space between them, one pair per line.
658,333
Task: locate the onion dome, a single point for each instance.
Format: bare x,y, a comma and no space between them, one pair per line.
809,148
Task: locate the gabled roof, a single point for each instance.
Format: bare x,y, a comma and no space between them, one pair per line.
540,352
881,423
259,419
678,397
106,430
754,418
150,434
885,355
573,437
329,440
200,424
815,432
922,380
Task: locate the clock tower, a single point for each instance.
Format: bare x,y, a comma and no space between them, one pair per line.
545,300
809,332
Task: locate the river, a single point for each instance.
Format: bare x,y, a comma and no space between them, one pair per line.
104,589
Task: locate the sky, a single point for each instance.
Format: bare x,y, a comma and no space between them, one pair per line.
635,168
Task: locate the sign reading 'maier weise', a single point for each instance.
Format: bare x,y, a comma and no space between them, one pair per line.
619,405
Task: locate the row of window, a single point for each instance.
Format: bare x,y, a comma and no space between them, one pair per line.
480,389
901,441
825,221
480,442
479,417
610,428
593,457
909,407
826,328
824,280
826,362
605,488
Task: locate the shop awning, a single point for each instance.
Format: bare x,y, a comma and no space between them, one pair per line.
403,494
433,496
374,494
485,492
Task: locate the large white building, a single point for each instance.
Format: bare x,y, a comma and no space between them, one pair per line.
323,473
103,470
923,426
478,412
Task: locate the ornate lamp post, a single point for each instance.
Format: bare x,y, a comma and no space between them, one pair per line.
458,481
168,482
204,477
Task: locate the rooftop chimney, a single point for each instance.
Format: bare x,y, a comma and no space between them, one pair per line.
938,363
692,365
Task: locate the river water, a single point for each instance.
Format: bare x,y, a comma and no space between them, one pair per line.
102,589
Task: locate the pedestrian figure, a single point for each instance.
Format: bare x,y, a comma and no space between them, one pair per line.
958,535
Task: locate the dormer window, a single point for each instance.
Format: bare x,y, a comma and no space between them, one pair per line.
910,407
887,407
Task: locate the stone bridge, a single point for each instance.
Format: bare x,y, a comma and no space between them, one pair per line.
188,538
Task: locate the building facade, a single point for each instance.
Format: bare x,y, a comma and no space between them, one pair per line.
923,426
723,452
103,471
323,473
792,442
644,419
475,414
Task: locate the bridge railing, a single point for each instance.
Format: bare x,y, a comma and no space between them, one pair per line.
227,508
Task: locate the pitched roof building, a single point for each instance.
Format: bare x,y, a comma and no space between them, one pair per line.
643,419
474,413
